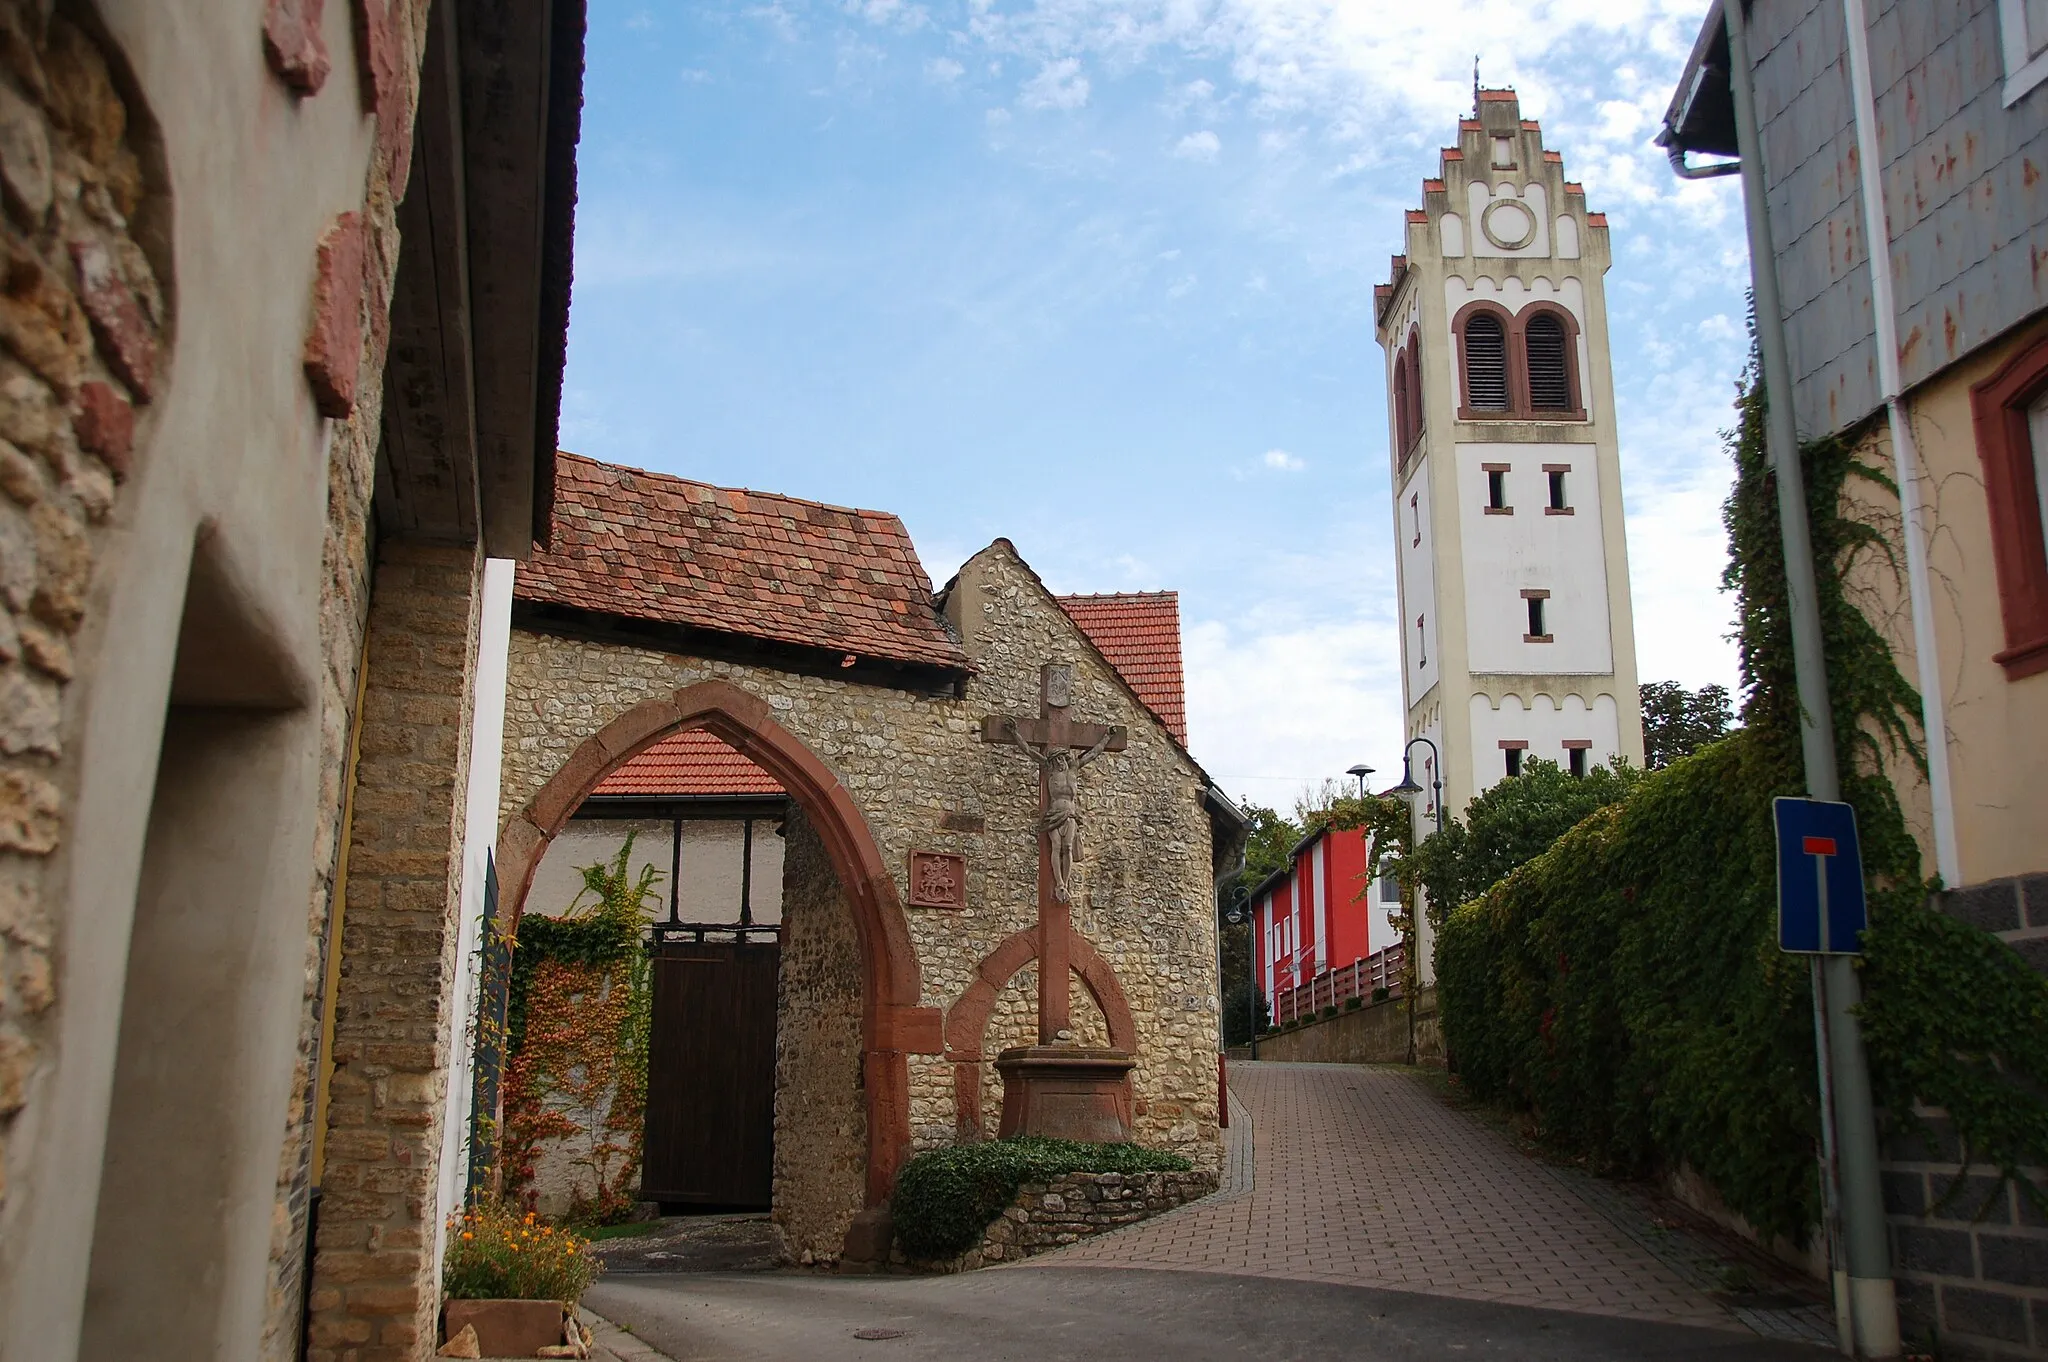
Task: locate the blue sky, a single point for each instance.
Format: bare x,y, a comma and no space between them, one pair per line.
1098,277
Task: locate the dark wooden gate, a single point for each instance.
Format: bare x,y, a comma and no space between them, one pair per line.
711,1074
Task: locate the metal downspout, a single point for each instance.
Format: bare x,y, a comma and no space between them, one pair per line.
1905,452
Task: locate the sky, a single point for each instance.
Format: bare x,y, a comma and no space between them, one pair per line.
1097,277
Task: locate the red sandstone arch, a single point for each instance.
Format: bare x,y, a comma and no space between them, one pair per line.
893,1025
967,1018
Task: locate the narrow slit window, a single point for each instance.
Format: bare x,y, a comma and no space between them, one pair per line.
1550,377
1514,758
1536,629
1486,363
1496,490
1576,756
1421,643
1557,501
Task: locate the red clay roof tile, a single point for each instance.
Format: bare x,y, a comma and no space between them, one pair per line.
1139,632
650,546
689,763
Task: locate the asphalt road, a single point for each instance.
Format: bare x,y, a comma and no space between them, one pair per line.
1054,1314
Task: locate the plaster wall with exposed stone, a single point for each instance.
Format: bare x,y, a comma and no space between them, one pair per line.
916,767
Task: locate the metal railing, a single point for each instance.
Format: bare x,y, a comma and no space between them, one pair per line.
1362,978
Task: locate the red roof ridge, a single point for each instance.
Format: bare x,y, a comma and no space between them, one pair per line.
715,488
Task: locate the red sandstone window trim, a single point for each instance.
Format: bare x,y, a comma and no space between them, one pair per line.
1514,328
1998,407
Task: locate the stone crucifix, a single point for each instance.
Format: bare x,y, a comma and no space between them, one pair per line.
1061,747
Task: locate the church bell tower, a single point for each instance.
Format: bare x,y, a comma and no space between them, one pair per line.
1517,636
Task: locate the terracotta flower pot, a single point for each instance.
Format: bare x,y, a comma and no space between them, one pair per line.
507,1328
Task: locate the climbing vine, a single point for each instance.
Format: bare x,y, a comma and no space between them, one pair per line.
577,1027
1625,985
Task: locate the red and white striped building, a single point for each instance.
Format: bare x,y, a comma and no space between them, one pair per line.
1320,933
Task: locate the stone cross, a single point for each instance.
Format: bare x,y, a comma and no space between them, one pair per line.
1061,746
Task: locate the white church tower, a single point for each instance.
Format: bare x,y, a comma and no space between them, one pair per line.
1517,638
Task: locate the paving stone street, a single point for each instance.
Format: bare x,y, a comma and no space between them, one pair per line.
1359,1206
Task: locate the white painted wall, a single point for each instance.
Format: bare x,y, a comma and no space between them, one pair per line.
1534,200
1319,889
1544,723
1563,554
713,852
1414,535
480,838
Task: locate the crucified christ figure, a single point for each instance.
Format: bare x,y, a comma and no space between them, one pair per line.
1062,821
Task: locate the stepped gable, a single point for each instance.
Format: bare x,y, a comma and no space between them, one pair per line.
685,765
753,565
1138,632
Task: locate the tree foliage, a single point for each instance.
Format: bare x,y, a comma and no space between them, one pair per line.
1678,722
1509,826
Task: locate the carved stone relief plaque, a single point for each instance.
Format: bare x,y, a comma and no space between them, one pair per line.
937,880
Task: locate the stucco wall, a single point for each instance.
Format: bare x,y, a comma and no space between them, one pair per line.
1997,728
908,760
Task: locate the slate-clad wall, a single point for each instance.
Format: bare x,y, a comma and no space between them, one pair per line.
1961,179
909,760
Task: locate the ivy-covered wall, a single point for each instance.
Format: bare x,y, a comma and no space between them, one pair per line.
1625,986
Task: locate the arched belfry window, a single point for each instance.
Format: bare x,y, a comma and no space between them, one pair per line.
1485,352
1545,346
1415,381
1402,415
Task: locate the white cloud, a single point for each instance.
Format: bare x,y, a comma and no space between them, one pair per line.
1181,287
1198,146
1282,461
997,117
1058,85
943,70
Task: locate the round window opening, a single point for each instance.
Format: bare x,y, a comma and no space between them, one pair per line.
1508,225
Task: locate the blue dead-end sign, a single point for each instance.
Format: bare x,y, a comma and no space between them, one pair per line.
1821,910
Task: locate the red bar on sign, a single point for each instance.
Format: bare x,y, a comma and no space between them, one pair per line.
1818,846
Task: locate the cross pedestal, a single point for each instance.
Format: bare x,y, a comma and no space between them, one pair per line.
1056,1088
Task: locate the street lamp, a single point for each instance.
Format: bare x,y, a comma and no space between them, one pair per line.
1240,912
1361,771
1408,789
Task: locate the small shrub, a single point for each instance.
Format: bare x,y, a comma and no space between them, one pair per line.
495,1254
946,1197
1329,1011
1381,994
1353,1003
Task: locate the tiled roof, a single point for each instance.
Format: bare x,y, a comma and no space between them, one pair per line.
648,546
1139,632
689,763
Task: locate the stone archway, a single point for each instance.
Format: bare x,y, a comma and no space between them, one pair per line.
967,1018
893,1024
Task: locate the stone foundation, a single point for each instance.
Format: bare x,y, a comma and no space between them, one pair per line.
1050,1215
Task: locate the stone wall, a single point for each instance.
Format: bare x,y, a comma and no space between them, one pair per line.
821,1122
1374,1034
1050,1215
910,760
374,1272
83,319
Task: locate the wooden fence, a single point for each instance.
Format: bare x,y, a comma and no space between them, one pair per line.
1359,979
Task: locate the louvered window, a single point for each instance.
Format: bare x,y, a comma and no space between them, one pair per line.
1486,363
1550,379
1403,435
1414,381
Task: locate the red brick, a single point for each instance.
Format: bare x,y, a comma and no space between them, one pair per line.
105,425
125,339
334,343
293,45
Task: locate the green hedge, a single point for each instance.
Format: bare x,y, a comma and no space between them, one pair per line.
1626,986
946,1197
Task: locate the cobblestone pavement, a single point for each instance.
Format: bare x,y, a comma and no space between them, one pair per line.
1363,1176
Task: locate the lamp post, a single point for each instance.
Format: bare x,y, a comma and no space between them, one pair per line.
1241,911
1361,771
1408,789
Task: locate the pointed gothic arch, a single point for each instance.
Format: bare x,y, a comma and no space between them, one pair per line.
893,1025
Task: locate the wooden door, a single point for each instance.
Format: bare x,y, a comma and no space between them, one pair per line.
711,1075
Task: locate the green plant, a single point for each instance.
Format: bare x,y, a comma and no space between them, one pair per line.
946,1197
578,1019
497,1254
1382,993
1329,1012
1353,1003
1625,985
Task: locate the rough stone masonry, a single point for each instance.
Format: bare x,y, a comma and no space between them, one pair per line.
914,766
